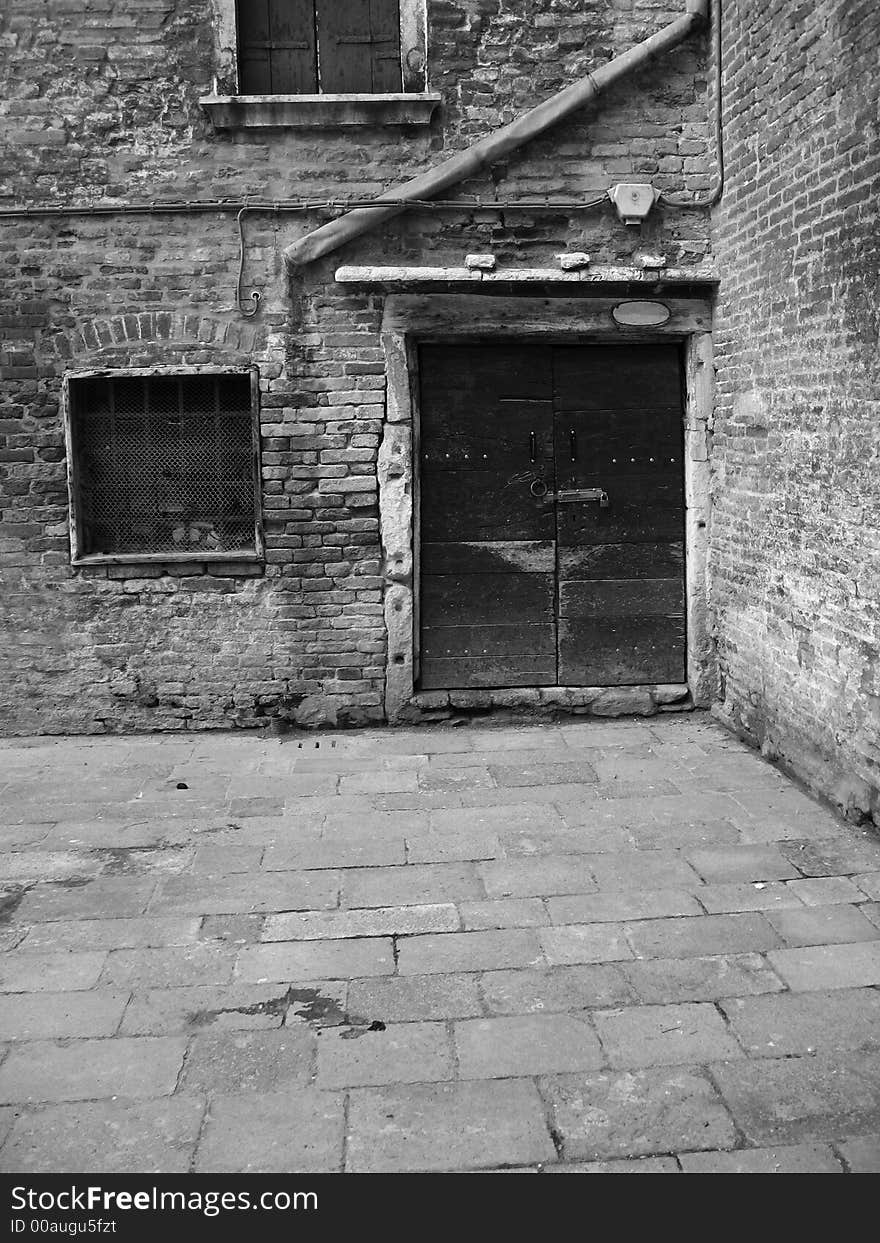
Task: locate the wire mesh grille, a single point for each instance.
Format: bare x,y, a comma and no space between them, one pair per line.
164,464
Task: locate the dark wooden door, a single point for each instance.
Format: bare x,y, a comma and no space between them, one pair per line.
618,430
488,551
529,577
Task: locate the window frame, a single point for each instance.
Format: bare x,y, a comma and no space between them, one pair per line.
78,554
413,105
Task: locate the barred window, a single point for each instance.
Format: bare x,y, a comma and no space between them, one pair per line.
164,466
308,46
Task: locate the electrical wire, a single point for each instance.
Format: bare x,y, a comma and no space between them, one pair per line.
172,206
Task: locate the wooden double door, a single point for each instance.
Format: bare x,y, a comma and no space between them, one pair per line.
551,515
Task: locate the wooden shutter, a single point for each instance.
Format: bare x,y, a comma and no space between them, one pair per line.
360,46
276,47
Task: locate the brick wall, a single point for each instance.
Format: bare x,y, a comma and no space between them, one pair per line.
796,549
98,100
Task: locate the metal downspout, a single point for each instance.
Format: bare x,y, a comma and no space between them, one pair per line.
495,146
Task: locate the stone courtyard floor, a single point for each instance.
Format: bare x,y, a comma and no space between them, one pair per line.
563,947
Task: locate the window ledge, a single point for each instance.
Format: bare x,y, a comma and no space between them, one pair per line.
319,111
204,557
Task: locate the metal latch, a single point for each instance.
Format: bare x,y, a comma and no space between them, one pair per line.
584,494
540,490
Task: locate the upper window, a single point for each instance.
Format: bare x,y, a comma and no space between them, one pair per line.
163,466
304,47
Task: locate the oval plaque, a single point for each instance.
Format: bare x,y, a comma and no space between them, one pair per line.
641,314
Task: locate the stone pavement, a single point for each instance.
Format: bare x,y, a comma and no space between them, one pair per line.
561,947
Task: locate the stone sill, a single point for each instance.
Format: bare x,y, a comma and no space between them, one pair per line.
319,111
404,276
600,701
169,558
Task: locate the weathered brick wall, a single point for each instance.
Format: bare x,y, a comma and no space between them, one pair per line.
99,103
796,545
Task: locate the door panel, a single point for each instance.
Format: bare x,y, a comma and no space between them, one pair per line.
523,590
618,428
488,565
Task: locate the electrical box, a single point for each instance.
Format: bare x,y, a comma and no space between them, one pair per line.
633,200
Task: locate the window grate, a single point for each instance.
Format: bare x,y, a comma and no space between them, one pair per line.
164,464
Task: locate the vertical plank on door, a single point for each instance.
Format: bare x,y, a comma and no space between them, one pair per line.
277,49
487,555
618,419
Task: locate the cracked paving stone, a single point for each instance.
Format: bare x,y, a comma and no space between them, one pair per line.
635,1113
798,1099
673,1035
250,1061
47,1070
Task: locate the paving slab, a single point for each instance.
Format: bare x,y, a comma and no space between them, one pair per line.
788,1023
702,978
700,935
447,1126
862,1155
538,877
503,913
45,1016
250,1061
828,966
796,1159
469,951
639,1165
626,905
664,1035
24,971
47,1070
115,1137
273,1133
316,960
399,999
111,934
380,921
635,1113
795,1099
526,1045
380,1053
823,925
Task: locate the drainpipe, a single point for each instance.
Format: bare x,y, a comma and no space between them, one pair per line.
494,147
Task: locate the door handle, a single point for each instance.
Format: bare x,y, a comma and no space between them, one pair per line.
572,444
532,447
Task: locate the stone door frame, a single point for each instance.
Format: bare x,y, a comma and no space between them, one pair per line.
409,320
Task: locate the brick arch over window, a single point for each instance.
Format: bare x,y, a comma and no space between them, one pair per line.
165,337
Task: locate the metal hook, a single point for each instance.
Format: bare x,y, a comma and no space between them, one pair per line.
256,297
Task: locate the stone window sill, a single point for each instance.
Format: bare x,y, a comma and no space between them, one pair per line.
170,558
319,111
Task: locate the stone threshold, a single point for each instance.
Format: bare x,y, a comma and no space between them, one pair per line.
601,701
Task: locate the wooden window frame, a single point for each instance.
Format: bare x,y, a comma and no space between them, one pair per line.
79,556
413,105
